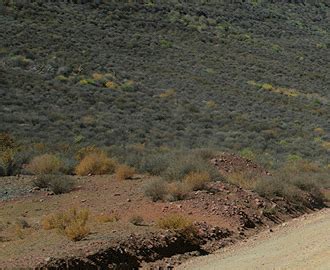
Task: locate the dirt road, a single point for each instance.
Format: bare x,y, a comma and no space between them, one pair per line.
302,243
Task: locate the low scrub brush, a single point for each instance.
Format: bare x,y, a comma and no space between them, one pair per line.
71,223
96,163
44,164
124,172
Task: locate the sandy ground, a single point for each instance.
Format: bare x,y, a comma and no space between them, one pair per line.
303,243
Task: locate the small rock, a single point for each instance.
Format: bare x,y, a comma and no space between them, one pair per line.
116,194
48,259
128,200
84,200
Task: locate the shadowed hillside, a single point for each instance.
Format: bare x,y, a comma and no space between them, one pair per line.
234,76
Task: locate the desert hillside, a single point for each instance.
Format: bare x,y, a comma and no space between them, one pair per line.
168,73
139,134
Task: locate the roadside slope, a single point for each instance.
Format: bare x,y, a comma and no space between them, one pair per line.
303,243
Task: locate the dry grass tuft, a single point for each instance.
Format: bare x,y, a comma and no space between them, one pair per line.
71,223
95,164
246,180
124,172
179,224
176,191
107,218
197,180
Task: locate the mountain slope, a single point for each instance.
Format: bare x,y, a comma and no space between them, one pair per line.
178,74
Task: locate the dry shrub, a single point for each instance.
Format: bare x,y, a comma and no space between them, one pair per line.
174,222
112,85
196,180
246,180
83,152
21,228
124,172
179,224
176,191
19,233
62,184
296,187
7,159
76,231
106,218
183,163
71,223
156,189
57,183
96,163
45,164
300,166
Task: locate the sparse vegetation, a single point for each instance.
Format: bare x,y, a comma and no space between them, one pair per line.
183,163
57,183
196,180
106,218
124,172
61,184
9,163
44,164
71,223
296,187
246,180
96,163
176,191
156,189
179,224
136,220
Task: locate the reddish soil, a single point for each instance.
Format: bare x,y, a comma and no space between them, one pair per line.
229,163
223,214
